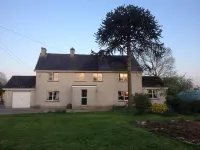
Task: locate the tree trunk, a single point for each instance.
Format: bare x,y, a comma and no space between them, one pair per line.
129,68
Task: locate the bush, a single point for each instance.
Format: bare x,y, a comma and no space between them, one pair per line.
142,102
159,108
183,106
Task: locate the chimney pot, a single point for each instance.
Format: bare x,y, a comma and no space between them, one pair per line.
72,52
43,51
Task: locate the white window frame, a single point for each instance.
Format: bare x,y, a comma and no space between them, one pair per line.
123,77
151,94
124,96
52,99
84,97
97,77
79,76
52,76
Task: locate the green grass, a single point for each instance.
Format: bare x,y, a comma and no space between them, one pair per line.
89,131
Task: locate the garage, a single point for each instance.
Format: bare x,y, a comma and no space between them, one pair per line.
20,92
21,100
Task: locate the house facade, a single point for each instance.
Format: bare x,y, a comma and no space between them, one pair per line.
85,81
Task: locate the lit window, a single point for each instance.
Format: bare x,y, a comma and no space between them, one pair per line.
97,77
53,96
153,94
80,77
53,76
123,77
122,95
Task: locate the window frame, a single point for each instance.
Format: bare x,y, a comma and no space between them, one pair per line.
52,76
52,97
78,77
124,79
124,96
82,97
98,77
151,94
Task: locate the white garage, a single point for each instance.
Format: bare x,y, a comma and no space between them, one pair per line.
20,92
21,100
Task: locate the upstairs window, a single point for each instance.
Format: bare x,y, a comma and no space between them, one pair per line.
153,94
122,95
123,77
80,76
97,77
53,76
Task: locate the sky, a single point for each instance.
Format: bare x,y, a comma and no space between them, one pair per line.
59,25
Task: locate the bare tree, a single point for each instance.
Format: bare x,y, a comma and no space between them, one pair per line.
3,79
158,66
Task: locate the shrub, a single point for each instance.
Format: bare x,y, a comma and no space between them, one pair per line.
60,111
183,106
159,108
142,102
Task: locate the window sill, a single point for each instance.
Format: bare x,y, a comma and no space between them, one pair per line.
52,101
154,98
83,105
122,100
52,81
123,81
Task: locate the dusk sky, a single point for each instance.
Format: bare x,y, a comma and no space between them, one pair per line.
62,24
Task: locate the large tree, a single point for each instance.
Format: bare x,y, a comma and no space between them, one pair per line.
130,30
177,84
158,66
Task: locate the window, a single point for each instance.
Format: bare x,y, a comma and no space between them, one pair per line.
53,76
80,77
153,94
53,96
97,77
83,97
122,95
123,77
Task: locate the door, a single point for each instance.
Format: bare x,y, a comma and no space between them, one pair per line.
83,97
21,99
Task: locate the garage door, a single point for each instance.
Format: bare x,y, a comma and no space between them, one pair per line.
21,100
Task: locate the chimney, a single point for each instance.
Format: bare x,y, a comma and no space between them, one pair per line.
43,51
72,52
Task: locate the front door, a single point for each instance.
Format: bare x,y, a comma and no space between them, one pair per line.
83,97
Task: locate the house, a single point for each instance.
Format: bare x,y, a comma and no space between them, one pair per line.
85,81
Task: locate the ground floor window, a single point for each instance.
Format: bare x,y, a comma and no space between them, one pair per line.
153,94
53,96
122,95
83,97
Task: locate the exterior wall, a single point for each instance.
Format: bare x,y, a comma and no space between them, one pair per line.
106,91
161,97
9,95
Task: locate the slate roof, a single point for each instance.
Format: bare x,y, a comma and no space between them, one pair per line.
152,81
80,62
21,82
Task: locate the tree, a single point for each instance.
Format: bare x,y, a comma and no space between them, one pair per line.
158,66
177,84
129,30
3,81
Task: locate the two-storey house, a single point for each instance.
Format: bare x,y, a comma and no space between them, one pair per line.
85,81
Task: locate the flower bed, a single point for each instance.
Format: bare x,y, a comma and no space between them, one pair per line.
187,131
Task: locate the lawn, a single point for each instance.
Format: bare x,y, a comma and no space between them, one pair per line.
95,131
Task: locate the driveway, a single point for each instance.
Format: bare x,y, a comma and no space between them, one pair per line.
9,111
